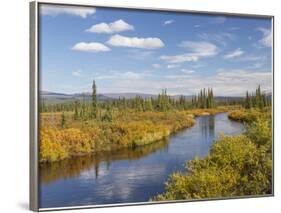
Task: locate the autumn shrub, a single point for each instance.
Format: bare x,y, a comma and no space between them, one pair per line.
238,115
250,115
259,131
50,148
236,166
75,141
130,130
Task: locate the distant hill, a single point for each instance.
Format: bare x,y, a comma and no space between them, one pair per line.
54,97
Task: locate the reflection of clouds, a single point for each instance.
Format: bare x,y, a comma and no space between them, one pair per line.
228,127
91,173
133,178
122,180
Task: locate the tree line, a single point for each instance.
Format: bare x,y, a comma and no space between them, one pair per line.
257,99
162,103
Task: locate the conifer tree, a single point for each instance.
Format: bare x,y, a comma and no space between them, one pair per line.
76,115
63,120
148,105
94,100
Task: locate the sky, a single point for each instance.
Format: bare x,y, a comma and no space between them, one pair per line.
138,51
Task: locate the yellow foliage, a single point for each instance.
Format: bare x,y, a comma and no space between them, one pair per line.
50,148
137,129
236,166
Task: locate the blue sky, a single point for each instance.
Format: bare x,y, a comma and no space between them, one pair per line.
147,51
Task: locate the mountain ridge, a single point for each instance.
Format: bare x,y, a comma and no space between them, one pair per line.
86,96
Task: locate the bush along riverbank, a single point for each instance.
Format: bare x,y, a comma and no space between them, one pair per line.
127,130
238,165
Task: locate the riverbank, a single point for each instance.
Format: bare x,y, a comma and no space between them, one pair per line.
250,115
127,130
238,165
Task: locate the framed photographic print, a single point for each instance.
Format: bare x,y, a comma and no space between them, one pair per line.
133,106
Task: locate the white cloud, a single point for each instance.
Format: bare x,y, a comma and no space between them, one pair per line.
196,50
234,54
253,58
175,77
179,58
201,48
156,66
54,10
135,42
187,71
197,25
256,65
219,38
139,54
225,82
172,66
129,75
114,27
238,81
267,37
168,22
77,73
90,47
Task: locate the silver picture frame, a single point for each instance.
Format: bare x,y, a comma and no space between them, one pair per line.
34,84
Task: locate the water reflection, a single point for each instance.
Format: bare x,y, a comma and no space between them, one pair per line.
207,125
129,175
69,168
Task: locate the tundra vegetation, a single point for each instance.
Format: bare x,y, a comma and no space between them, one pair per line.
83,127
238,165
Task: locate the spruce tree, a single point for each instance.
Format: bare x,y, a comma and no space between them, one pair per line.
76,115
247,101
94,100
63,121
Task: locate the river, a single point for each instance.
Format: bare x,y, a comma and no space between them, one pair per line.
128,175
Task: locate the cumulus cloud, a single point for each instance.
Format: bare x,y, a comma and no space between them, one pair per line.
113,27
267,37
168,22
234,54
196,50
201,48
135,42
54,10
91,47
77,73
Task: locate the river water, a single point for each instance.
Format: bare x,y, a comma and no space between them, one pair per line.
128,175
